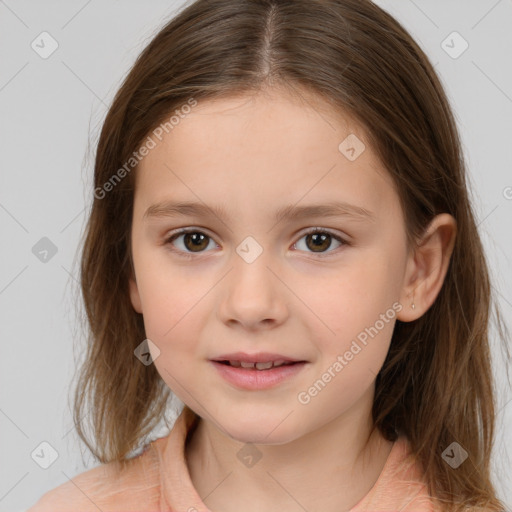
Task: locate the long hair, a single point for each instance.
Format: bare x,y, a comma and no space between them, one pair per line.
436,384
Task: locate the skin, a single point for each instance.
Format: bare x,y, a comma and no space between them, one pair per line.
253,155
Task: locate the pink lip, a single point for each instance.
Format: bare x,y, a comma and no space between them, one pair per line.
260,357
252,379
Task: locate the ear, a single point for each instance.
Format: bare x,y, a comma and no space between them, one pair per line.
427,266
134,295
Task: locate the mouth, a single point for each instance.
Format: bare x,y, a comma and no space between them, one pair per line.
257,371
259,361
267,365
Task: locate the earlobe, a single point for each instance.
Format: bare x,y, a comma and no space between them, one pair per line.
427,267
135,296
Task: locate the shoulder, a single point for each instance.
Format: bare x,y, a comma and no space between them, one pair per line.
407,476
130,486
401,484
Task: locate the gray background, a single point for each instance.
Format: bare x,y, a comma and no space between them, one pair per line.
51,113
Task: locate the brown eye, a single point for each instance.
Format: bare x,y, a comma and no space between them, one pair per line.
192,241
319,241
187,242
195,241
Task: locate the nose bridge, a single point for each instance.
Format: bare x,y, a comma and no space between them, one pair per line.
252,292
251,277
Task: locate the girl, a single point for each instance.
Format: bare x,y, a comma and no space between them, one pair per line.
281,235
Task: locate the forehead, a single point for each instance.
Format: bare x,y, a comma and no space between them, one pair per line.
273,146
268,123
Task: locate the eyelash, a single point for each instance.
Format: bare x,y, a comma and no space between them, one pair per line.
191,255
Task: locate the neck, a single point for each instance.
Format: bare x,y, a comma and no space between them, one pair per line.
329,469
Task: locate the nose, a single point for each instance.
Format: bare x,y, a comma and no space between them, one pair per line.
253,296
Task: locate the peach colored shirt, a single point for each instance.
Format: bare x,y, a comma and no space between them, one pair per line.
158,480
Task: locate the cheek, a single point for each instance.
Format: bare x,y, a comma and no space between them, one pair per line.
352,298
359,304
168,301
167,291
170,320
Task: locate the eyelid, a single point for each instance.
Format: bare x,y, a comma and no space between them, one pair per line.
312,230
191,229
170,237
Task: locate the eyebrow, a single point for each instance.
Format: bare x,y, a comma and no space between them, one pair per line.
288,212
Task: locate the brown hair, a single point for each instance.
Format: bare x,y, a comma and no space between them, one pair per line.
436,385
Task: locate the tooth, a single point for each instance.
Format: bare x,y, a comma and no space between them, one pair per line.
246,365
279,362
236,364
264,366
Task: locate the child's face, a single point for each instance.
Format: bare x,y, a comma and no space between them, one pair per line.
301,297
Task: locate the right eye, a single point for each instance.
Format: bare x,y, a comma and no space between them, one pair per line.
193,241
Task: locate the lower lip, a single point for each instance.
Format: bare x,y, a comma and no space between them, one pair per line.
248,378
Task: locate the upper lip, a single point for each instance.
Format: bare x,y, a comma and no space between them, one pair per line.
260,357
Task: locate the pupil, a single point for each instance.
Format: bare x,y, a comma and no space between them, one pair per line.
319,241
197,240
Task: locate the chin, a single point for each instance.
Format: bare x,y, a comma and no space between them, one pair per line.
256,429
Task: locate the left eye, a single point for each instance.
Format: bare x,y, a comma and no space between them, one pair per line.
195,241
319,239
